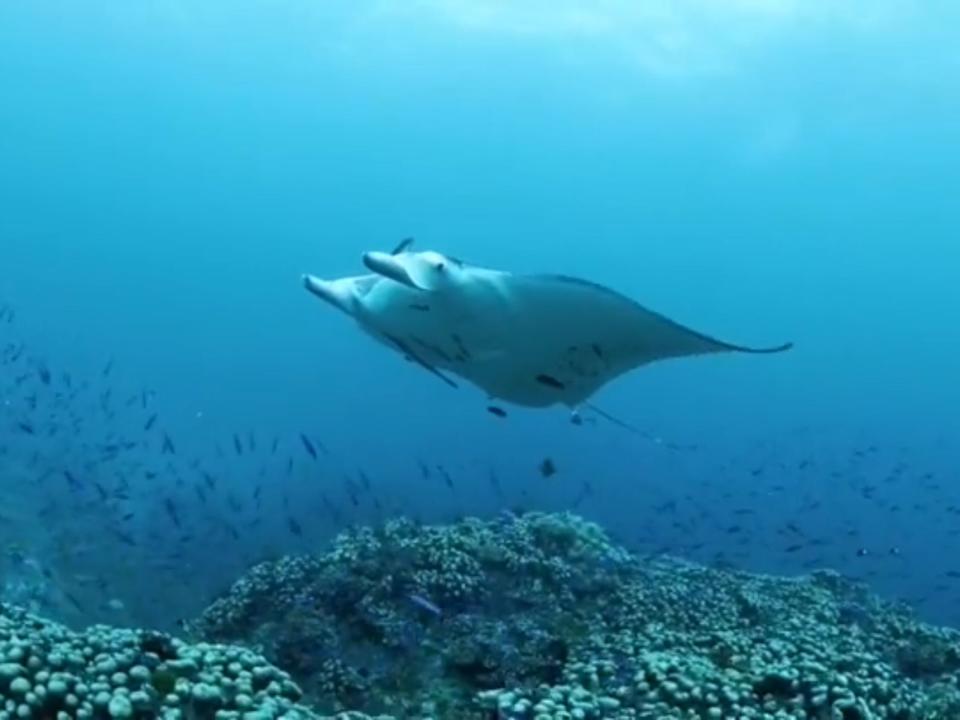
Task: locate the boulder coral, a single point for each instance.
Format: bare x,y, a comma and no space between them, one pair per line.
49,671
541,617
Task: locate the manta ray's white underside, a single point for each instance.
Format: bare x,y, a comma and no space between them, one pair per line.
533,340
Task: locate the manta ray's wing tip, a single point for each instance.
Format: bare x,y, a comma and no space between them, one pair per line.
784,347
753,350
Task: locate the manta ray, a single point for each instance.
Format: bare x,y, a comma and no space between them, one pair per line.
529,340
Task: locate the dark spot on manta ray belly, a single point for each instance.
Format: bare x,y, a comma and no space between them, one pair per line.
494,410
584,362
550,381
419,306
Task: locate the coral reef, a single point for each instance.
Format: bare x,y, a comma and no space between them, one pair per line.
483,604
48,671
530,617
541,617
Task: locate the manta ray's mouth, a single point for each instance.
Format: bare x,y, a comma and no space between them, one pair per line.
390,267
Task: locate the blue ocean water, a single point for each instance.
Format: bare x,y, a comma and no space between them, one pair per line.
764,171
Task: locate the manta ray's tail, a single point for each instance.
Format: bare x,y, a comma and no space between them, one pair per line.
635,430
616,421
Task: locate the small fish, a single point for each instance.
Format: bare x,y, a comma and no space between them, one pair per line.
494,480
424,603
172,511
294,527
447,478
364,480
308,446
150,422
498,411
547,468
585,491
125,538
72,480
73,601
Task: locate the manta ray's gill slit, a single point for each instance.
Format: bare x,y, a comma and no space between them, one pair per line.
435,349
464,353
411,355
420,307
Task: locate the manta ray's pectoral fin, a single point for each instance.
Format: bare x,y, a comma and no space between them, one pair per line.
622,333
673,340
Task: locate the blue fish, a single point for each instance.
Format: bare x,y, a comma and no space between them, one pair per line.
426,604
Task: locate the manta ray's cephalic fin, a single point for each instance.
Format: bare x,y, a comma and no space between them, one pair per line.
404,245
